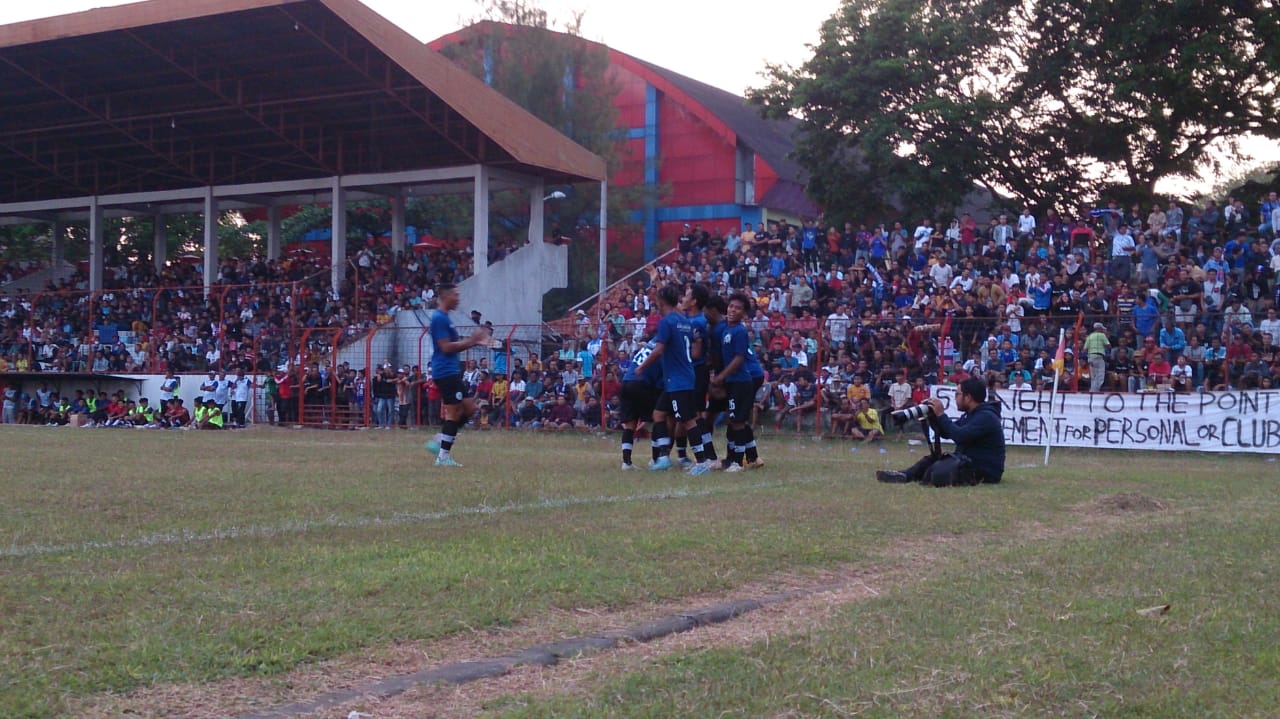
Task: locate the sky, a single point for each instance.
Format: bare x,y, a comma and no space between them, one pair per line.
715,41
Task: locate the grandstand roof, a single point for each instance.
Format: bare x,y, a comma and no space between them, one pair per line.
166,95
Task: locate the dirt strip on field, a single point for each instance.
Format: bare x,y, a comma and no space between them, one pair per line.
560,652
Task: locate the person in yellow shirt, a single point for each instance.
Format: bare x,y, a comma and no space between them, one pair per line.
866,422
858,391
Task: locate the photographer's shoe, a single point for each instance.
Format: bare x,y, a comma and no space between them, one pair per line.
892,477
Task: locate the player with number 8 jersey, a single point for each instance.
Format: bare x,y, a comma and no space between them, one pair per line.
673,349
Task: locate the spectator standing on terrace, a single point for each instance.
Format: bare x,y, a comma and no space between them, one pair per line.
222,394
241,392
209,387
446,371
384,396
1096,347
1122,250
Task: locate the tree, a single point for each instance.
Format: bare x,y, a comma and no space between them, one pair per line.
914,103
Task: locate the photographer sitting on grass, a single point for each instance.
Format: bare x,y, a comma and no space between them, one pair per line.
979,454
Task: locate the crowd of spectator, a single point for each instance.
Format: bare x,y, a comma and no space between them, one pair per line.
253,316
1170,299
851,321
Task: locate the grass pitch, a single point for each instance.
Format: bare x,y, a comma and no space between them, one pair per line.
132,561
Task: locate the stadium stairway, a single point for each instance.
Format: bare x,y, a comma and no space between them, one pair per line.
37,281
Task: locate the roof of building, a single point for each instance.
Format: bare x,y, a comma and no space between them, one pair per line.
770,139
164,95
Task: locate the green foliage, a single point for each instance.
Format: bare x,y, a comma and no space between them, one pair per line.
910,104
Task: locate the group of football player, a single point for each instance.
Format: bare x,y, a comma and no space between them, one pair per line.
697,365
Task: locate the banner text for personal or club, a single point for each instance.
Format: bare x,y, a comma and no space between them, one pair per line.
1240,421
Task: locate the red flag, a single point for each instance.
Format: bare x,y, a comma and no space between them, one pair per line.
1060,359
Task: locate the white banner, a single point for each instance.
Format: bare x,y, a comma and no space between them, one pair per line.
1242,421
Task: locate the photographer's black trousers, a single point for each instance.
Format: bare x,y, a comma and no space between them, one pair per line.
947,470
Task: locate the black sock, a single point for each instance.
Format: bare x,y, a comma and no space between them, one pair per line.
748,442
708,438
735,445
448,434
661,442
628,436
699,454
682,446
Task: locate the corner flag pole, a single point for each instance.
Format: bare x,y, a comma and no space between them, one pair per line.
1059,360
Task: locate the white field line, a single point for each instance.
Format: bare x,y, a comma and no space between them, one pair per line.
186,536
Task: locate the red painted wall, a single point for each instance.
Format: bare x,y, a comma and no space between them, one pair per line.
696,163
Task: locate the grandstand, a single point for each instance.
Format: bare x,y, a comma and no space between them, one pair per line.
1172,286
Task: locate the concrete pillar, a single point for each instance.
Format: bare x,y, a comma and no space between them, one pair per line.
537,213
58,235
210,239
160,252
273,233
338,248
397,224
95,245
480,232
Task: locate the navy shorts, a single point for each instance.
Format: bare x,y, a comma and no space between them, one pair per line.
742,397
452,389
680,405
638,400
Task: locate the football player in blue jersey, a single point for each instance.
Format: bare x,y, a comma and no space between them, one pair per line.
639,395
694,302
737,384
446,371
673,347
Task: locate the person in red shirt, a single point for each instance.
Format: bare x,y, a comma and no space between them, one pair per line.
919,392
286,401
1158,371
176,415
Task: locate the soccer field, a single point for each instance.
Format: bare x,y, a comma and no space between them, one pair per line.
227,574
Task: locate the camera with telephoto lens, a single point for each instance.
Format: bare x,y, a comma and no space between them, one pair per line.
916,412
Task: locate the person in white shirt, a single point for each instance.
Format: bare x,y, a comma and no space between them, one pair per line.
222,395
1122,249
1014,313
900,398
923,233
1271,326
941,273
838,325
1026,222
241,389
637,325
209,387
1181,375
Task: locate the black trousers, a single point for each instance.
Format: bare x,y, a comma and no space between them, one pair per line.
946,470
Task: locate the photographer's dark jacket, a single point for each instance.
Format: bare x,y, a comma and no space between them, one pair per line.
978,436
